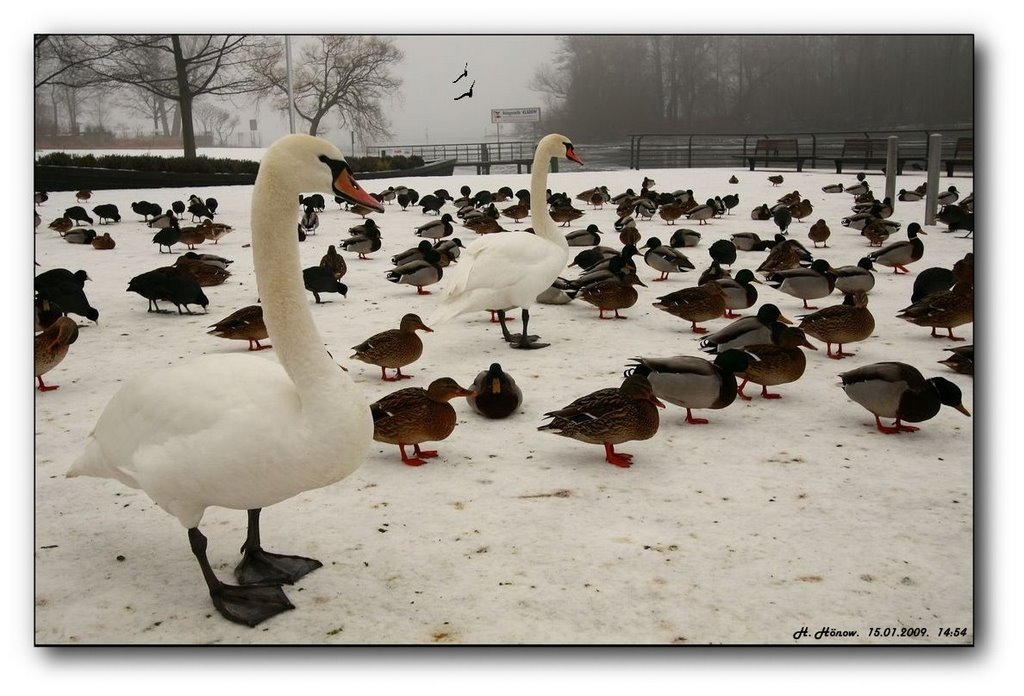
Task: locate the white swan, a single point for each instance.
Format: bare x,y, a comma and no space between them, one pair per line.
509,269
238,431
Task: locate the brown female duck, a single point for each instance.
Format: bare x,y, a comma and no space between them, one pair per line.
51,347
699,303
612,294
335,262
394,348
415,415
848,322
610,417
943,310
778,362
246,324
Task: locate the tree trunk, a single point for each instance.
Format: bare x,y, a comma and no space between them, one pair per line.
188,136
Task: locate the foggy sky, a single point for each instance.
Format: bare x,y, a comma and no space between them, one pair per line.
424,111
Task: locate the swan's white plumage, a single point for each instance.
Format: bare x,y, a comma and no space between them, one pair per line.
241,431
509,269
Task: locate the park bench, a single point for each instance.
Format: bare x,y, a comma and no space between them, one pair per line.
963,154
866,152
773,150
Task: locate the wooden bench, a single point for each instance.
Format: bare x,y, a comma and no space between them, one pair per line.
867,152
963,154
772,150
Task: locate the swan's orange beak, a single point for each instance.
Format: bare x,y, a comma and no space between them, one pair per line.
348,188
571,154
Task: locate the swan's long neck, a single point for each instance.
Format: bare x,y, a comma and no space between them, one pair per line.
543,225
275,253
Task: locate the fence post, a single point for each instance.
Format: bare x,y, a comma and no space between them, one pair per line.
891,152
932,195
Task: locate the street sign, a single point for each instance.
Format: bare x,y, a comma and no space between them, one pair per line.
528,114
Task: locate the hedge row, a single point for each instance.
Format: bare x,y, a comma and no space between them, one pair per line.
201,164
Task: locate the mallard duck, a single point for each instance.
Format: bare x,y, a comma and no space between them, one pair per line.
45,313
309,222
747,241
214,231
961,360
699,303
713,272
191,236
80,236
761,212
702,212
684,237
484,225
418,272
282,411
629,234
776,179
744,331
83,195
645,208
335,262
948,197
206,274
414,415
693,382
670,212
898,254
852,278
364,239
780,361
588,237
437,229
610,417
394,348
898,390
788,200
860,187
51,347
848,322
819,232
517,211
943,310
61,225
739,291
733,179
876,232
784,255
495,393
665,259
245,324
730,201
564,214
805,283
908,196
612,294
103,242
832,188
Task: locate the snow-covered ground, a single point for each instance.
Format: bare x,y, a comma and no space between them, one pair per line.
776,516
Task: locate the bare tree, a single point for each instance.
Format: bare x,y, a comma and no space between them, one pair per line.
180,68
218,122
346,74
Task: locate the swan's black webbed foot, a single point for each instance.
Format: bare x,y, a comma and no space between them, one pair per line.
249,605
528,343
259,567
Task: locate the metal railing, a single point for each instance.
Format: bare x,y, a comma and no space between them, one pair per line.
465,154
820,149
